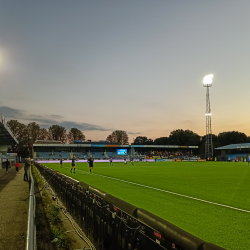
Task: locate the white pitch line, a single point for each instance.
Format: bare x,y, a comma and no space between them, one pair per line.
182,195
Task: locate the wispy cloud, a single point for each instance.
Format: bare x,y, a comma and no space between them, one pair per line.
10,112
56,116
132,133
46,121
83,126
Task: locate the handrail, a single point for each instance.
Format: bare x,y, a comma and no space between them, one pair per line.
31,227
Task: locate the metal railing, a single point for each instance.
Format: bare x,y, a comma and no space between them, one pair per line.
31,227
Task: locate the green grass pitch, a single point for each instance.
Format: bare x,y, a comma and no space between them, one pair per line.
218,182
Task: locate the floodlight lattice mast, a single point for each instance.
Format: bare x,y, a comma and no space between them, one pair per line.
207,81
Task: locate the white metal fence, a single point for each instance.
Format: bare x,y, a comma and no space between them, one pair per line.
31,228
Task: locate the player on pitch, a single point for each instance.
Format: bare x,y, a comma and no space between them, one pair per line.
91,163
111,161
61,162
73,164
132,161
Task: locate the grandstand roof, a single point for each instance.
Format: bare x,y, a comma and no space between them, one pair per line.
110,145
47,142
236,146
6,136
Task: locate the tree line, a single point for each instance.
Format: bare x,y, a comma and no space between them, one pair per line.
31,132
28,134
189,138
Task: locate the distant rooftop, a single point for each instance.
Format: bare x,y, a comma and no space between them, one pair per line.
236,146
95,142
47,142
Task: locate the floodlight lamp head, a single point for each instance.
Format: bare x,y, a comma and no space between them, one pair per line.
207,80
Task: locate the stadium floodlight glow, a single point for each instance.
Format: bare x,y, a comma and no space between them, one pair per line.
207,80
209,114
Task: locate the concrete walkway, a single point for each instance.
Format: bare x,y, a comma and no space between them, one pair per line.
14,204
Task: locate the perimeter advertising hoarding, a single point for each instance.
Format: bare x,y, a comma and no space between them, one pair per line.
158,146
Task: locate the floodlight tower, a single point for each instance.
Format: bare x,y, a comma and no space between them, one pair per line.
207,82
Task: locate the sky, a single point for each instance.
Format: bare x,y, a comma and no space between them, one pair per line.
128,65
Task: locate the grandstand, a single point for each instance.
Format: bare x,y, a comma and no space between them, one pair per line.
6,139
104,150
233,151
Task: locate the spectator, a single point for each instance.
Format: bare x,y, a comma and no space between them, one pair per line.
26,169
61,162
7,164
17,166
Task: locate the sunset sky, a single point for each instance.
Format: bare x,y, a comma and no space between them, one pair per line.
129,65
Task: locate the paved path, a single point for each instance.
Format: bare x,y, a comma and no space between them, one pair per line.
13,209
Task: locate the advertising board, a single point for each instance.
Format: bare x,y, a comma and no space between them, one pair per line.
121,151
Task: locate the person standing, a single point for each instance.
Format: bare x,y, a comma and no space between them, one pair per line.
26,169
7,164
61,162
17,166
132,161
125,161
91,163
111,161
248,160
73,164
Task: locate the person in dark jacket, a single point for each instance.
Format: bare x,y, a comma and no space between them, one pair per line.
111,161
61,162
7,164
73,164
91,163
26,169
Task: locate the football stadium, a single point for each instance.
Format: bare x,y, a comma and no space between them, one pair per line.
124,125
